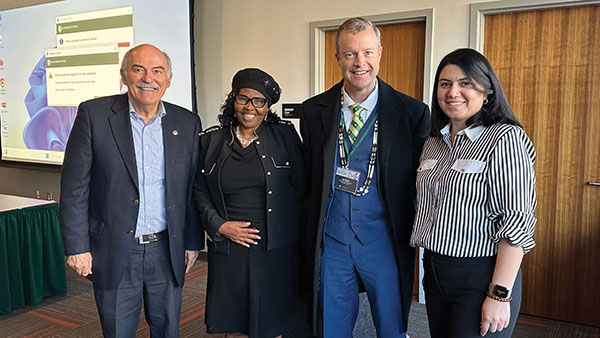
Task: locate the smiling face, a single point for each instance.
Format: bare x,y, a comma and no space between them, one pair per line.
249,116
459,97
146,78
358,55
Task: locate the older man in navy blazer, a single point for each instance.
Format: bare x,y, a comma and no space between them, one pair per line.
362,142
126,213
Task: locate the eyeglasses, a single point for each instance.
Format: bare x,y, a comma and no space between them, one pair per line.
257,102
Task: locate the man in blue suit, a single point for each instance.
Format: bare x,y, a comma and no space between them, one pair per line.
126,213
362,141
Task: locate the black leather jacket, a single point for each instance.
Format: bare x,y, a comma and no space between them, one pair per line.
280,151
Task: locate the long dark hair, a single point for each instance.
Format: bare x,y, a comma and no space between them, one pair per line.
480,73
227,116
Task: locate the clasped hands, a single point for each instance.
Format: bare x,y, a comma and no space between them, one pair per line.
240,233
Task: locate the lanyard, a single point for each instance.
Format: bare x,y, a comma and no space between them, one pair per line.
372,158
362,137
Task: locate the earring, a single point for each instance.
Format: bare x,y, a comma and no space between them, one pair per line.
485,101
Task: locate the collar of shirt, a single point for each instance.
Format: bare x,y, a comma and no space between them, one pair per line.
472,132
161,111
368,104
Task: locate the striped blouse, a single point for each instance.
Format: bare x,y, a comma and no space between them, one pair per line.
475,192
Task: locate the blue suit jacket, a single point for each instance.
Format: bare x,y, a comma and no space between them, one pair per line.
99,187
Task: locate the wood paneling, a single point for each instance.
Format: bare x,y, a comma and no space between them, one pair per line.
548,62
402,60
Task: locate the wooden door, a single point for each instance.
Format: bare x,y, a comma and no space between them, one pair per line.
401,66
402,60
548,62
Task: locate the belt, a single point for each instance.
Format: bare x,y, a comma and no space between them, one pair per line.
151,238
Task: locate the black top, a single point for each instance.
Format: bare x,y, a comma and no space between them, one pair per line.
278,148
243,184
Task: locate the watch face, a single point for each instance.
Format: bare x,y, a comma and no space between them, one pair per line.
500,291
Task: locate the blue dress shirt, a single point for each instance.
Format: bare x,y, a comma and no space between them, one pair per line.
150,161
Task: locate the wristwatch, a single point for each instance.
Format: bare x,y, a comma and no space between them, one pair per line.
499,293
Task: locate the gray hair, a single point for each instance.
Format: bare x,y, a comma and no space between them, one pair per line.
353,26
125,63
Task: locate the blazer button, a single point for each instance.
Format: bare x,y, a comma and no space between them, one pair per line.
268,173
136,201
270,192
257,142
263,156
130,232
202,171
269,210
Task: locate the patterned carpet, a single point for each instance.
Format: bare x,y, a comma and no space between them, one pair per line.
75,316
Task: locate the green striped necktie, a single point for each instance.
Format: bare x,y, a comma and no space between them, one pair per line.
357,122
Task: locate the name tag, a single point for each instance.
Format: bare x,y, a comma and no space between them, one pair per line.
346,179
469,166
427,164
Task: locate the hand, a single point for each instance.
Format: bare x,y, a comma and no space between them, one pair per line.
190,259
240,233
81,263
495,316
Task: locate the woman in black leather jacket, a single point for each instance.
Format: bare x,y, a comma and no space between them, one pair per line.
248,187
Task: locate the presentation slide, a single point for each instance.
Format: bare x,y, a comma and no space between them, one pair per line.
74,75
57,55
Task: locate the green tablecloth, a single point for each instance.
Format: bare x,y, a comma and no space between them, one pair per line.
32,262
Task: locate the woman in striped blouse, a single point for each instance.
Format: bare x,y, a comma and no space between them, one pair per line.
476,198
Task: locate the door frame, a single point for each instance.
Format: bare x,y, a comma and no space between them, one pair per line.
317,31
478,11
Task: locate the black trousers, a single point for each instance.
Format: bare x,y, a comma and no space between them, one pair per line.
455,289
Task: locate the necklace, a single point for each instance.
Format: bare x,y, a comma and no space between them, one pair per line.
242,140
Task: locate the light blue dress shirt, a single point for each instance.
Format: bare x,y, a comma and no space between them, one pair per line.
368,104
150,161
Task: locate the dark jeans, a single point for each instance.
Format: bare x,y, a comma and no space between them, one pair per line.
455,289
148,278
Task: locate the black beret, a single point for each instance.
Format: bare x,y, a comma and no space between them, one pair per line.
258,80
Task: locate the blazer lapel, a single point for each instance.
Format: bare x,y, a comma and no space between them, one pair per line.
120,124
171,139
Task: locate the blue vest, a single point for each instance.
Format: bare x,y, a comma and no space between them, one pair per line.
364,216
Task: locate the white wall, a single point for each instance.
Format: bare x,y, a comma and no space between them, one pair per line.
274,35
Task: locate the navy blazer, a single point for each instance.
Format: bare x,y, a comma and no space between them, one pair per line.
403,129
99,199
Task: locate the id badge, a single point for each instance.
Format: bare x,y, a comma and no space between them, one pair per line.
346,179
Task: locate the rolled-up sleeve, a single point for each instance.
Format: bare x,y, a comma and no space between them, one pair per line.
512,199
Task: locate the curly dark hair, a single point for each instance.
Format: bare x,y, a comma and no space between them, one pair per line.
480,73
227,116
